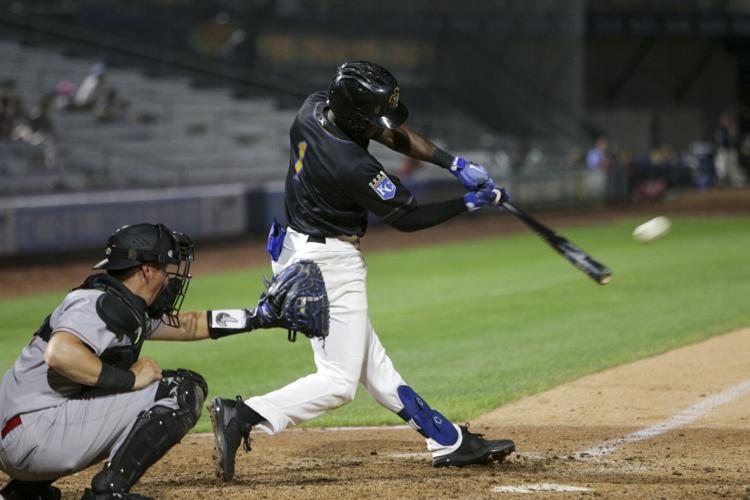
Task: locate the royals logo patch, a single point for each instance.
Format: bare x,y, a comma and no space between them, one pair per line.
383,186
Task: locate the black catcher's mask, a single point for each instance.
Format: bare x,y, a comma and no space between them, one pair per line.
363,93
131,246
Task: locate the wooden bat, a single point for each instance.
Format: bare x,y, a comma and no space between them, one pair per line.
583,261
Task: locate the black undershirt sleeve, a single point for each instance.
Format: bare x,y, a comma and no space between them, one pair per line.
428,215
442,158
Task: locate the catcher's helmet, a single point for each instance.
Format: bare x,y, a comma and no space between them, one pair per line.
363,92
137,244
131,246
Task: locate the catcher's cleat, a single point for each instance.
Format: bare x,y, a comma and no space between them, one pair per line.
474,449
88,494
30,490
229,429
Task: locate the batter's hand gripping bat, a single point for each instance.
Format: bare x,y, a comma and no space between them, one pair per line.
583,261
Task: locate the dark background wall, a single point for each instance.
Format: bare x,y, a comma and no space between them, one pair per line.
646,72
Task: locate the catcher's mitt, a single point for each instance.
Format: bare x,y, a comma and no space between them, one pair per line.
297,297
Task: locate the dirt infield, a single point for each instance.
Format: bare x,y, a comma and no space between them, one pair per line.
684,413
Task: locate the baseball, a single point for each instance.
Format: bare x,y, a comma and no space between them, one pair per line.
652,229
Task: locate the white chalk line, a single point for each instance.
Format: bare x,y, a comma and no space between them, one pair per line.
533,488
686,416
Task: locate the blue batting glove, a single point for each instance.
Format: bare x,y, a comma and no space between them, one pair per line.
471,175
490,195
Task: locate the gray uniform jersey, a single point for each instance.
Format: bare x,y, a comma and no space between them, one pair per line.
30,385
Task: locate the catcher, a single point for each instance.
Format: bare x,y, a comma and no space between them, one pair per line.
79,392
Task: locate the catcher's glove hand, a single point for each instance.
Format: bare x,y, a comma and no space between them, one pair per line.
298,300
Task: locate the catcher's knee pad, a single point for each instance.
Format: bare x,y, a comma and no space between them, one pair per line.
186,387
155,431
428,422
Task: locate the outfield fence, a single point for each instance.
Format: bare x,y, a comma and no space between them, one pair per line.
62,223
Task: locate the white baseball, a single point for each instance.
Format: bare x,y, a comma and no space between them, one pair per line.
652,229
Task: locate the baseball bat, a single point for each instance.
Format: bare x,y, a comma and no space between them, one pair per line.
583,261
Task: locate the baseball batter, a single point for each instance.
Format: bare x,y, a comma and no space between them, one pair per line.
79,393
331,185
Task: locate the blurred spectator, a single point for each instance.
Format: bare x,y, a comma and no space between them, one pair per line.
110,106
39,120
700,158
38,131
726,160
64,93
11,109
94,94
744,155
662,169
599,156
91,88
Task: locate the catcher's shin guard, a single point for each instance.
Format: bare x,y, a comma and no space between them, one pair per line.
474,449
155,431
232,420
30,490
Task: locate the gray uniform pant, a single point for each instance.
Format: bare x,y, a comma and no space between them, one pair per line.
58,441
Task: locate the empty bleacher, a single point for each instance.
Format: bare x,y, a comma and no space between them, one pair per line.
170,133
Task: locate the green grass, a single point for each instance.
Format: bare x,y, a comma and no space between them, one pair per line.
474,325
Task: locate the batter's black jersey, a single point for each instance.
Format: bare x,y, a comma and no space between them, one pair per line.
333,182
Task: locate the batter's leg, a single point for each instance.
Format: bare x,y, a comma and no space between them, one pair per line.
338,358
448,443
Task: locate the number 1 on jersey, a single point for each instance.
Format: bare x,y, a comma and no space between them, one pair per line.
301,149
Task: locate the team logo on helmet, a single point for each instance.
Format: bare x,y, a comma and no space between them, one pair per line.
393,100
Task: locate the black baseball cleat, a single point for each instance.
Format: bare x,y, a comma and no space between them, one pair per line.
89,494
229,430
30,490
474,449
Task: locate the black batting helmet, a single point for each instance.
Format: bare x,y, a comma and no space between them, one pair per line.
144,243
363,92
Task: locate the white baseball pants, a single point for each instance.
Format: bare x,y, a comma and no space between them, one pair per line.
352,352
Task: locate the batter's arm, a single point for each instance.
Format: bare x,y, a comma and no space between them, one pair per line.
409,142
431,214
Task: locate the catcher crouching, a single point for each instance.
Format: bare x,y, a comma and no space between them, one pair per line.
79,393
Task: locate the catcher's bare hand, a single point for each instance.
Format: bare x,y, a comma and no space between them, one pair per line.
146,371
